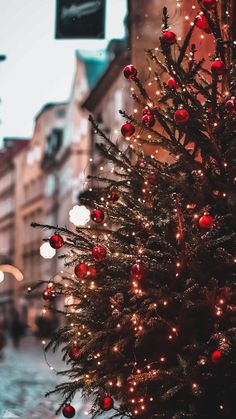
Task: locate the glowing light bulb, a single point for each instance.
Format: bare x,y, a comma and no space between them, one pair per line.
79,215
46,251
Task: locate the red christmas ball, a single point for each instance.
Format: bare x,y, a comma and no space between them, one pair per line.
217,67
113,196
106,403
203,24
209,4
216,357
81,270
56,241
68,411
230,106
97,216
92,272
208,107
127,130
138,271
206,222
142,165
99,253
181,116
49,294
74,353
130,72
148,120
172,83
168,37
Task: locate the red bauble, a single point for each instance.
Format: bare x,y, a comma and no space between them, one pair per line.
148,120
97,216
142,165
127,130
56,241
81,270
181,116
216,357
113,196
49,294
202,24
146,110
208,107
68,411
99,253
209,4
172,84
106,403
206,222
230,106
74,353
218,68
130,72
138,271
92,272
168,37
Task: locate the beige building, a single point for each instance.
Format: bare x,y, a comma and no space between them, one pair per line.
12,149
50,175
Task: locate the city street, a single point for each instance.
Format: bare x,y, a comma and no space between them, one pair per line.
25,378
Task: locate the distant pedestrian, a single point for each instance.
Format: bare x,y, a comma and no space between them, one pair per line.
2,342
17,329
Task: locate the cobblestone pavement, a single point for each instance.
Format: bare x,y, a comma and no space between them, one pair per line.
25,378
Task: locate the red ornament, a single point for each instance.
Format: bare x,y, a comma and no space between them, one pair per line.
216,357
206,222
97,216
74,353
218,67
209,4
99,253
92,272
138,271
208,107
148,120
168,37
68,411
172,83
56,241
147,110
181,116
49,294
81,270
113,196
230,106
127,130
130,72
142,165
106,403
202,24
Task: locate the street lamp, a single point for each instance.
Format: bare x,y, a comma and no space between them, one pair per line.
1,276
13,270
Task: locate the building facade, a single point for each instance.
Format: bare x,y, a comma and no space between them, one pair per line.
12,149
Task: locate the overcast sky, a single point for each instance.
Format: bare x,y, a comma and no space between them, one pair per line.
39,69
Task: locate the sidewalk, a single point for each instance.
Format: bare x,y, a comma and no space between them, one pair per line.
25,378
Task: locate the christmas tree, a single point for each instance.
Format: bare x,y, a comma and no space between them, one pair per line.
150,331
